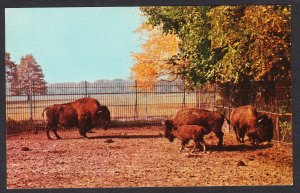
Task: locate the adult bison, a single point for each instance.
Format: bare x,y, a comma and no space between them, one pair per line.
84,113
210,120
257,126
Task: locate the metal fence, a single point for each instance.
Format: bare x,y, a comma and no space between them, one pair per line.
129,102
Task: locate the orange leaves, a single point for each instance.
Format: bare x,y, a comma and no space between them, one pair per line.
152,62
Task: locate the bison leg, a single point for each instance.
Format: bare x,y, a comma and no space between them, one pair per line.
236,134
196,145
183,143
106,125
203,145
48,131
202,142
56,135
256,142
181,148
242,135
83,132
220,135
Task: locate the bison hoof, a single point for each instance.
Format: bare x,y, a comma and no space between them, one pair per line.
84,136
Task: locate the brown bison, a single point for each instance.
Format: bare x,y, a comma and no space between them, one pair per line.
246,120
84,113
187,132
210,120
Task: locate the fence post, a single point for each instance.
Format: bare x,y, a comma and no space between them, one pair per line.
197,98
229,105
33,98
277,117
253,93
277,128
214,98
136,101
29,94
146,104
85,85
183,100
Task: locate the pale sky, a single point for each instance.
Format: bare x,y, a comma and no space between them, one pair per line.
75,44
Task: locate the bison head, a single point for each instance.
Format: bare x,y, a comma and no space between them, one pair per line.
265,128
168,129
103,116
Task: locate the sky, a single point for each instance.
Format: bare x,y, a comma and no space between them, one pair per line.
75,44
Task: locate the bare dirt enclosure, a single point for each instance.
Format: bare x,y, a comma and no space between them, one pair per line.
141,157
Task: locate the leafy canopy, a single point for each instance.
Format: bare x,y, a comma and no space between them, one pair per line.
228,43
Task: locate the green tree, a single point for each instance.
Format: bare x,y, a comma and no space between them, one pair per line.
228,43
255,40
191,25
31,77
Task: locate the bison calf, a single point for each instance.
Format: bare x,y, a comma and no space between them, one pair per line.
187,132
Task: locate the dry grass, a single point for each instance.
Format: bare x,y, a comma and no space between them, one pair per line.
121,105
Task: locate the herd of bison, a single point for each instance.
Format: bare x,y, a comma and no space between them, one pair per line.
187,124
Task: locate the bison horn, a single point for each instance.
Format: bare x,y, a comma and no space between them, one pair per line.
163,122
260,120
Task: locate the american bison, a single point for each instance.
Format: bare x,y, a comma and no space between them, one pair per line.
84,113
187,132
210,120
246,120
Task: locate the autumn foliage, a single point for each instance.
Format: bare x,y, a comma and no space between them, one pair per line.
220,43
153,61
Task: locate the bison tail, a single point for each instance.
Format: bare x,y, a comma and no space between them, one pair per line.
228,121
43,112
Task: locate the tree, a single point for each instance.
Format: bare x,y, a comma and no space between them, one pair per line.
11,75
151,63
228,43
191,25
255,40
31,77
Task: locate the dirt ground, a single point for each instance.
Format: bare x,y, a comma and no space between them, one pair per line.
140,157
